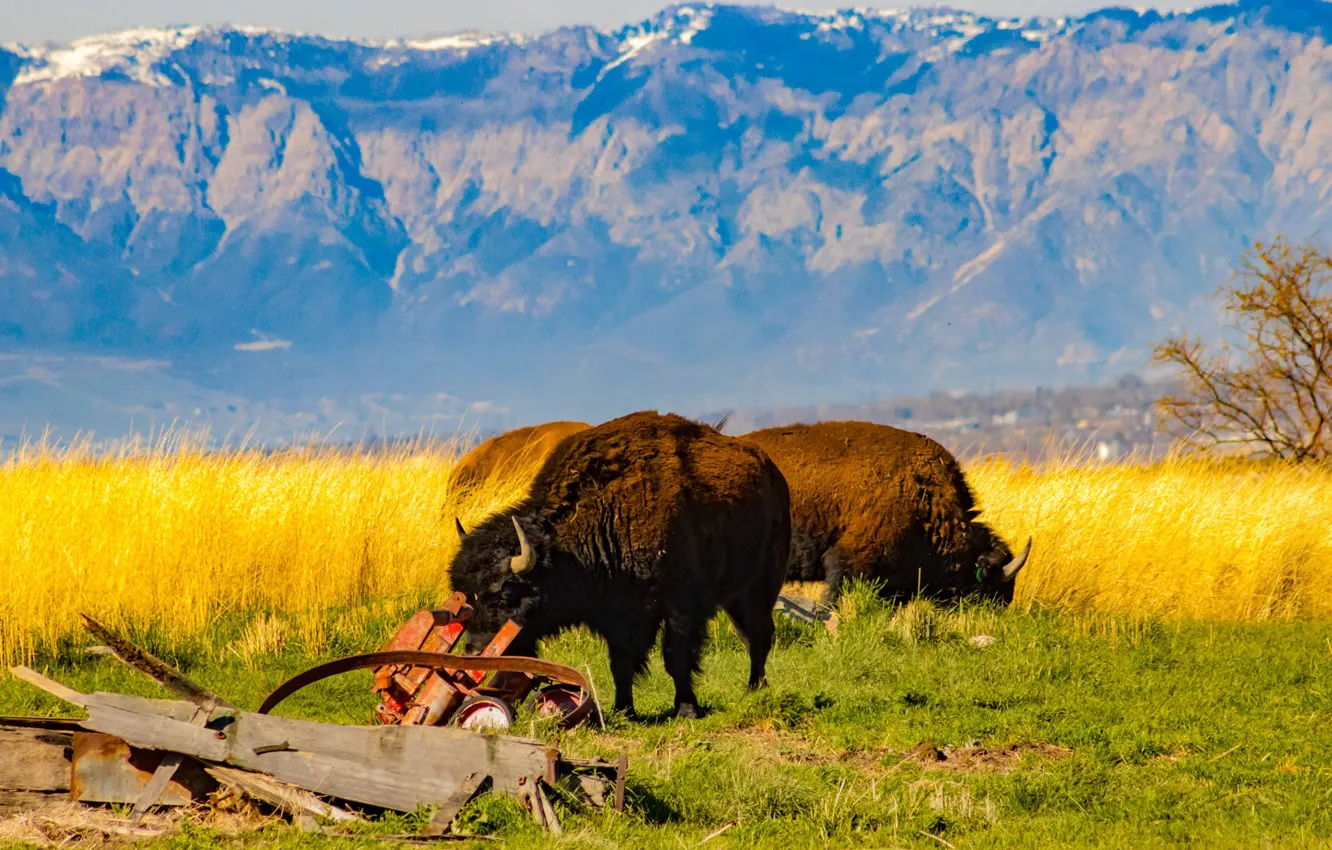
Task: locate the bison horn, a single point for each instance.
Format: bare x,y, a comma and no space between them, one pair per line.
524,561
462,532
1011,571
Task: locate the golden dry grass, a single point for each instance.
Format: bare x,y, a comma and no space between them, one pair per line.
177,537
174,536
1185,537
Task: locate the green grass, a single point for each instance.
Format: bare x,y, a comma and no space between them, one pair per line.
1152,733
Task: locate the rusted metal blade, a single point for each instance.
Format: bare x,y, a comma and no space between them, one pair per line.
441,661
154,668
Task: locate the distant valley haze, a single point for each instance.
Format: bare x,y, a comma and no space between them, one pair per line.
285,217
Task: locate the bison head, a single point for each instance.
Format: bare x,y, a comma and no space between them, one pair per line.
500,566
991,572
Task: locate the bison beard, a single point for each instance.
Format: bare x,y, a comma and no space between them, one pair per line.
875,502
643,524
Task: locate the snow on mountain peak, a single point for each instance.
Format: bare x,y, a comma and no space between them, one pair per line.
679,24
133,52
464,41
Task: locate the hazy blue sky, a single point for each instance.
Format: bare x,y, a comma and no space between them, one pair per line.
36,21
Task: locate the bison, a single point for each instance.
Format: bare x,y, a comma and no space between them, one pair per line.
526,446
519,452
645,523
876,502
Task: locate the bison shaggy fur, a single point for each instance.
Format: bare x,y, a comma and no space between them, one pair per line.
648,523
523,447
874,502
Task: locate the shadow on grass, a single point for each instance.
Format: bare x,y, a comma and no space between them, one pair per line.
643,798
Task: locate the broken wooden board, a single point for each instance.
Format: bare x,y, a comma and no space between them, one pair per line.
34,759
288,798
393,767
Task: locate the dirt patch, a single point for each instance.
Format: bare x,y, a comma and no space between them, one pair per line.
976,759
53,820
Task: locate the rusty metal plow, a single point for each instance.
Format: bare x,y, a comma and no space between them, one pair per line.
175,752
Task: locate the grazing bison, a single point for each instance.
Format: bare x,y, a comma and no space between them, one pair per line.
871,501
643,522
519,452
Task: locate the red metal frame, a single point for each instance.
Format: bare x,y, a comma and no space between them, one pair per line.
412,696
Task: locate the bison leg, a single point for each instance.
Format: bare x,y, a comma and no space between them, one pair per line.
627,660
681,646
754,625
834,570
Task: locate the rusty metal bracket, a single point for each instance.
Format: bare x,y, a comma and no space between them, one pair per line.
272,748
439,661
621,768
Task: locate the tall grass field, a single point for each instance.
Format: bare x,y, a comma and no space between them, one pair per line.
171,538
1162,679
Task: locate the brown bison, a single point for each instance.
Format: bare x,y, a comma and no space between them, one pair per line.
515,453
643,524
527,446
875,502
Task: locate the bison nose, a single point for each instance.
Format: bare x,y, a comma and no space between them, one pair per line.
477,642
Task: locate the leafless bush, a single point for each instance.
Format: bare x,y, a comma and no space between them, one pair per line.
1270,392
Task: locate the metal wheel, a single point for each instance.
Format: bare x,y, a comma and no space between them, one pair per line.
482,712
557,700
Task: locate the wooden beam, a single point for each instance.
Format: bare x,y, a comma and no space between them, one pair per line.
52,687
396,767
449,808
154,732
165,770
34,760
172,709
153,667
451,754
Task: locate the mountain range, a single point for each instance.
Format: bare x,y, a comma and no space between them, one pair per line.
722,206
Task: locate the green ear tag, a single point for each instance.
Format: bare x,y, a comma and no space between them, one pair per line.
980,575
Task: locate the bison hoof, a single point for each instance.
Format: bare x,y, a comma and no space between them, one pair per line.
756,686
687,710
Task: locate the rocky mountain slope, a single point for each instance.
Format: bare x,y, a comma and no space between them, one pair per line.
721,206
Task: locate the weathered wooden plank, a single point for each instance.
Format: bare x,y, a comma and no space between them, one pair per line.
172,709
394,786
449,808
155,732
166,768
52,687
290,799
34,760
153,667
442,751
396,767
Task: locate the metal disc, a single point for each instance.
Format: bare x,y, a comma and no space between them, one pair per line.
482,712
